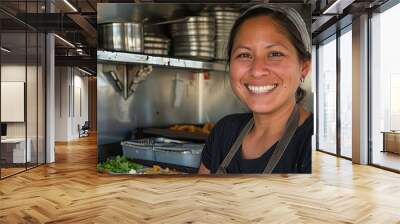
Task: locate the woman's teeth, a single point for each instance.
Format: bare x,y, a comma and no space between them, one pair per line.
261,89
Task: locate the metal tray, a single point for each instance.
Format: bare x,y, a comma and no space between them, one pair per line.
164,150
188,156
135,149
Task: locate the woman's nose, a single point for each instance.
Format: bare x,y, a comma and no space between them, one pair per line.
259,67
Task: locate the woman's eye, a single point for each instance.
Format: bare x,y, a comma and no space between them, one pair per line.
275,54
243,55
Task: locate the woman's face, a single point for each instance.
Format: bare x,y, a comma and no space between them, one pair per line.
264,66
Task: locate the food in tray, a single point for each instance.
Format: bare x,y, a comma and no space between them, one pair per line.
159,170
119,165
192,128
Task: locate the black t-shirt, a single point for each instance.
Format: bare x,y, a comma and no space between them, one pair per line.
296,158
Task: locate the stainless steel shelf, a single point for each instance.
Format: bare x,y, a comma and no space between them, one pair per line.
134,58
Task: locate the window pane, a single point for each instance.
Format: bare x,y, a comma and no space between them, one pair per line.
327,97
385,84
346,94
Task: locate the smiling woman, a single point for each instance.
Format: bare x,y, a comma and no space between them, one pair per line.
269,56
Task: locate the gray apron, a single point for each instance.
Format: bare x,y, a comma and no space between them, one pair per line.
290,129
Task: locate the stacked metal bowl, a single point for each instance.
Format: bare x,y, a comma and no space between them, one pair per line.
156,44
225,17
193,37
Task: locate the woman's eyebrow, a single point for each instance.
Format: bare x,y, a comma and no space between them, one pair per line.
276,45
241,46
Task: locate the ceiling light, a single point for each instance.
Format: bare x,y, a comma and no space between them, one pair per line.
70,5
84,71
5,50
65,41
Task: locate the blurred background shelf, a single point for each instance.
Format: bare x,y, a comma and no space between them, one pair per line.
136,58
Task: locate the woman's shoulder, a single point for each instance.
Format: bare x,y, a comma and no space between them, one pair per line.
308,123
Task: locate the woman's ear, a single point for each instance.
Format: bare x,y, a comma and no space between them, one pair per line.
305,68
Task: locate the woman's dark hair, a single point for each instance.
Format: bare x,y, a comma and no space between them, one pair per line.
286,24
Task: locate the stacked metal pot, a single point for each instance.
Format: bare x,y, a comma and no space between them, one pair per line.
126,36
193,37
225,17
155,43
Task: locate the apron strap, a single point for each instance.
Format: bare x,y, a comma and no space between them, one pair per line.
290,129
235,147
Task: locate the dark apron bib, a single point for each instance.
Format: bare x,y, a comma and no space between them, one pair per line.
290,129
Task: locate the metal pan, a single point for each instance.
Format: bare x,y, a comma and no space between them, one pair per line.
189,19
199,19
154,51
194,44
192,48
192,26
156,45
193,39
221,14
196,54
200,32
225,14
224,26
224,8
122,36
155,39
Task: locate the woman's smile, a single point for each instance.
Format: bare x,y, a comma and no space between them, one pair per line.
261,89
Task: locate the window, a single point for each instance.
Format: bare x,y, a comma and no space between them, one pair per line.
346,92
327,96
385,88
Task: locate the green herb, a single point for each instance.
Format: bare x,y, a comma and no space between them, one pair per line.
118,165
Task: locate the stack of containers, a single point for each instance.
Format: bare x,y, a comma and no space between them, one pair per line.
155,42
225,17
193,37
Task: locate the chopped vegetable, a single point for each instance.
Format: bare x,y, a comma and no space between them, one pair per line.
119,165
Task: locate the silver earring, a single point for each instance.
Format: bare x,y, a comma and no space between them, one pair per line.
302,80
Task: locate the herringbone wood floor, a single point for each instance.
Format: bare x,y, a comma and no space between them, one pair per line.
71,191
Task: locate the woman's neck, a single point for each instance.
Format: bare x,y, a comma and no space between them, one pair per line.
273,123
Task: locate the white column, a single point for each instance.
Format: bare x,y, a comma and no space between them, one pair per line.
360,90
50,93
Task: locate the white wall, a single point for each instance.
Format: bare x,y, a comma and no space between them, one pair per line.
71,94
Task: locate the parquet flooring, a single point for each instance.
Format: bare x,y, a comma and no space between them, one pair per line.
71,191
